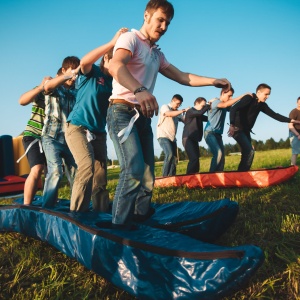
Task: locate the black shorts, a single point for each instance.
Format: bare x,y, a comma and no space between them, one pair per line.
34,156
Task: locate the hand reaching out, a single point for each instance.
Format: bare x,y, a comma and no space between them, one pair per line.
222,83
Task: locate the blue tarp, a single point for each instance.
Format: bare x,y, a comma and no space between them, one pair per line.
148,262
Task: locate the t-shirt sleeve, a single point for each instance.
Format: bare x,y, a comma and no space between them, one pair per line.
126,41
293,115
164,109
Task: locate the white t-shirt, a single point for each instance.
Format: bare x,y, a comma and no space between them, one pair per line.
145,63
167,126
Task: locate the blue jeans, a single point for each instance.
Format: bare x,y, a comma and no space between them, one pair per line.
55,153
244,140
136,159
216,146
169,148
191,148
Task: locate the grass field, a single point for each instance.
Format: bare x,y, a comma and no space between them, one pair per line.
268,217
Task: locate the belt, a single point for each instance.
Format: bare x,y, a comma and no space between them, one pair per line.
122,101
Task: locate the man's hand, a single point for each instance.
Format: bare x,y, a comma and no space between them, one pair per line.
118,33
148,103
232,130
186,109
295,121
45,79
222,83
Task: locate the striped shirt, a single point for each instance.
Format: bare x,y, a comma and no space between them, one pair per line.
35,124
59,104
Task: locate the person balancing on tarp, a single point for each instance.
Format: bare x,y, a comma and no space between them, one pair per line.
243,115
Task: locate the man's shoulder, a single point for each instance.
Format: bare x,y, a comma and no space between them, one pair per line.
165,107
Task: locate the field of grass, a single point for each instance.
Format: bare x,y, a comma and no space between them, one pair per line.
268,217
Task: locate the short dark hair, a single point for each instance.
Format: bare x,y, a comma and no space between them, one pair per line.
298,99
199,100
178,97
165,6
59,71
263,86
231,89
109,54
70,62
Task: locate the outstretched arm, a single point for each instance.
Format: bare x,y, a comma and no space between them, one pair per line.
175,113
90,58
194,80
232,101
52,84
29,96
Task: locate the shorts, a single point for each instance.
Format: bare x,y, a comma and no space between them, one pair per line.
34,156
295,144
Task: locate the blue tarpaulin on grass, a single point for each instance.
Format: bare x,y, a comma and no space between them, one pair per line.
149,262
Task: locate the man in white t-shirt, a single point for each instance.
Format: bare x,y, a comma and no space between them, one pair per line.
134,67
166,130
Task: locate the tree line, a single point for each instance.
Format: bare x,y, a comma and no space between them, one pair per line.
269,144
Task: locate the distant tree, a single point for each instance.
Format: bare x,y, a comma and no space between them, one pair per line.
258,145
284,144
162,156
182,154
270,144
204,152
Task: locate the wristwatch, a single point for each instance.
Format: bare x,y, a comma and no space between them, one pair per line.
140,89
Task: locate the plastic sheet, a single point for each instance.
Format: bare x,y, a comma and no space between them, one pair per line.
148,262
254,178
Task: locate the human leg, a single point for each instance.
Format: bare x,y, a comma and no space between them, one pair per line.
100,195
295,144
221,158
53,150
83,154
37,162
192,150
142,204
244,140
69,165
131,161
31,183
215,144
169,167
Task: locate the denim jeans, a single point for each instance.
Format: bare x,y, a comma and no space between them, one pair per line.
169,148
216,146
91,176
191,148
136,159
244,140
55,153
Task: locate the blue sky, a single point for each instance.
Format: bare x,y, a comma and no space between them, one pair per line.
248,42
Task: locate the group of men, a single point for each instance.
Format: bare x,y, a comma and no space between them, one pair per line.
127,106
243,113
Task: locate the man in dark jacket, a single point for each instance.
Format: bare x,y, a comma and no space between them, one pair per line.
193,132
243,115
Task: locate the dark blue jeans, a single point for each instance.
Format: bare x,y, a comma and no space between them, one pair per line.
243,138
216,146
136,158
169,148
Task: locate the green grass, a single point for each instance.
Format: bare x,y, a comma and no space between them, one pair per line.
268,217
